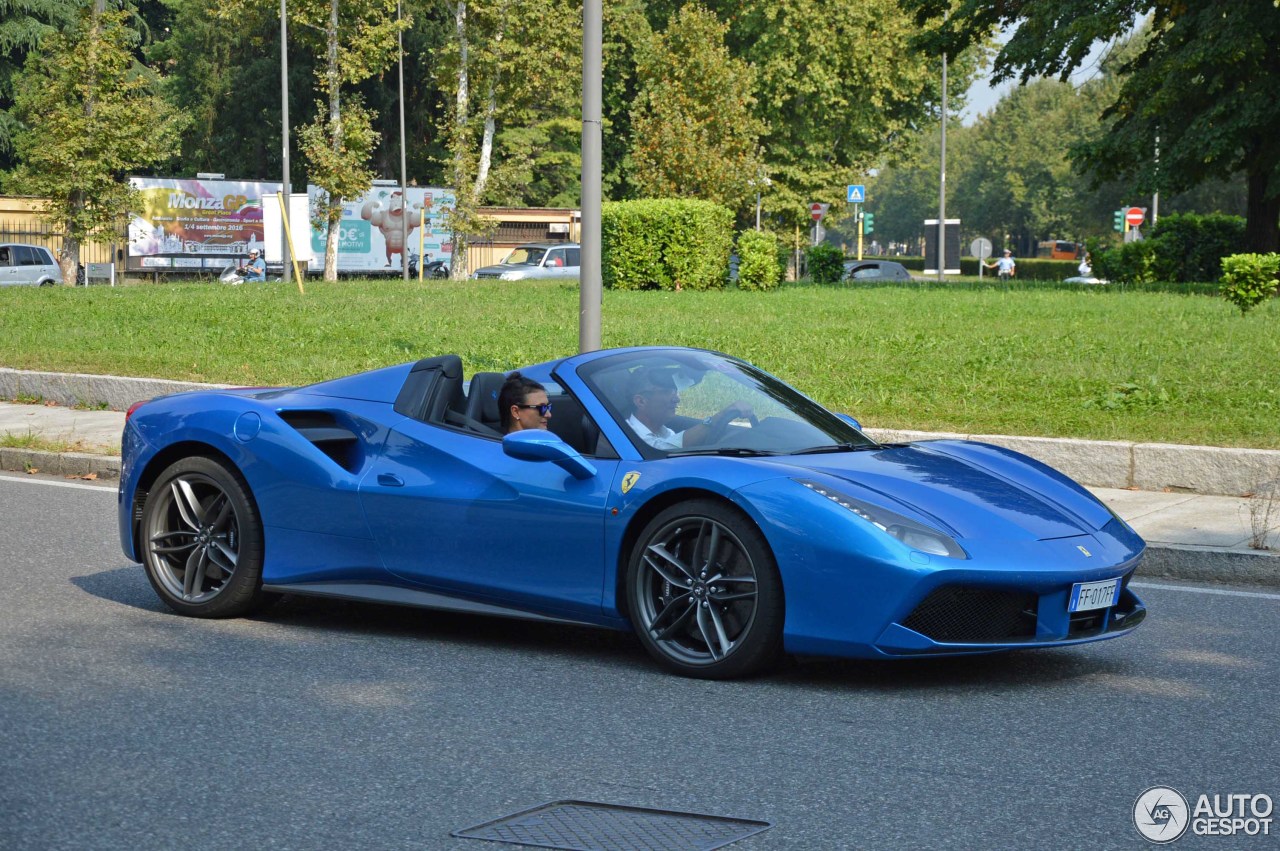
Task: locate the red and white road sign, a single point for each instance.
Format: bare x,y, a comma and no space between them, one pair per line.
1135,216
817,211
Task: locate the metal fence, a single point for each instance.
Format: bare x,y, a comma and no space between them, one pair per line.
36,231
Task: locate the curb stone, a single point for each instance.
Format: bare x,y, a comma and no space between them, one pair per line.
1206,564
70,464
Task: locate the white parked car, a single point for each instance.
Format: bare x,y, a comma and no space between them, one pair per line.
537,260
28,265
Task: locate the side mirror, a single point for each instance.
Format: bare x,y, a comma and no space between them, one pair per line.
539,445
851,421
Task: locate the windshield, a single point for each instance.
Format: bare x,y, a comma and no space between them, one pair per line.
684,401
524,256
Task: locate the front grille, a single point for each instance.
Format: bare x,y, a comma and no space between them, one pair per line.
960,613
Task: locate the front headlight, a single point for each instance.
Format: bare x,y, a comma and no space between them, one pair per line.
511,276
910,532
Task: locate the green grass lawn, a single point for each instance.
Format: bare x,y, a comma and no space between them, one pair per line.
1067,362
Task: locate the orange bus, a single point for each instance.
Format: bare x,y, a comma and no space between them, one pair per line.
1057,249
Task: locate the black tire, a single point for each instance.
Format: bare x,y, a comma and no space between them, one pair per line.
201,540
703,592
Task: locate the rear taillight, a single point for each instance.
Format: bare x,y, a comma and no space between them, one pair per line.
135,406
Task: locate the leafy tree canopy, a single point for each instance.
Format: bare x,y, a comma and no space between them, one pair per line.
90,117
1200,88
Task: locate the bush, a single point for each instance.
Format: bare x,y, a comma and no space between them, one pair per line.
667,244
758,267
1250,279
826,263
1190,248
1131,263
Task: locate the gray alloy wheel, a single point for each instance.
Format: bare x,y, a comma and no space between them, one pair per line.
201,540
703,592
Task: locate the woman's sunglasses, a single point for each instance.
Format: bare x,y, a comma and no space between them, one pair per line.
542,409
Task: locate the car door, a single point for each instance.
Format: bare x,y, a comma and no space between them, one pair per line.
452,511
28,268
555,264
8,271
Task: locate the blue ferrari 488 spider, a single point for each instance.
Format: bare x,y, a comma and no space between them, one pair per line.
686,495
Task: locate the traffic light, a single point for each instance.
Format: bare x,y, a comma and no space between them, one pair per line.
868,222
1118,224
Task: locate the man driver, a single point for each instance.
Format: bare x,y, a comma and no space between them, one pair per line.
255,269
654,398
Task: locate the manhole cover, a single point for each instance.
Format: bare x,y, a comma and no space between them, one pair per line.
587,826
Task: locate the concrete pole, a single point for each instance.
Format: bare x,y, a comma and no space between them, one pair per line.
942,181
286,275
591,287
404,181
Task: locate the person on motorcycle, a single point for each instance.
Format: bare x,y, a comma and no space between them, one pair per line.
255,269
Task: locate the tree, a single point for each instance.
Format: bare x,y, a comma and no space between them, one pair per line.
524,60
839,88
90,116
1203,84
23,23
227,80
358,40
694,131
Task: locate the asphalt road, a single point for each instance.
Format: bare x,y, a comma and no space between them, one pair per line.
332,725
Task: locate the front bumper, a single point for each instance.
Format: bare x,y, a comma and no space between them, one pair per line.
957,618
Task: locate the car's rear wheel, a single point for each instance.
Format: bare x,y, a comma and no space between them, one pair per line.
202,540
703,592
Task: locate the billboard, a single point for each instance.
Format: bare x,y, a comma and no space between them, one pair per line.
193,223
370,236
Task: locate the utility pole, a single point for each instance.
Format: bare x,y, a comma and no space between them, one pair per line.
942,176
591,287
404,188
284,134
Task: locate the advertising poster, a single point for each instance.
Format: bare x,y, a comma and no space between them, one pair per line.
191,223
371,235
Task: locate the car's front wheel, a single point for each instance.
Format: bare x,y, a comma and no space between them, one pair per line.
202,540
703,592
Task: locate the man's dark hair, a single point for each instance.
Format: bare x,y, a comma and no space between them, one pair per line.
645,377
515,390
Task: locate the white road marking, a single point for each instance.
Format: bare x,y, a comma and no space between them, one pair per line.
1222,592
31,480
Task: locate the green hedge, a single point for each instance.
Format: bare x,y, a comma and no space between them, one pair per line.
665,244
825,263
1250,279
1190,247
758,266
1182,248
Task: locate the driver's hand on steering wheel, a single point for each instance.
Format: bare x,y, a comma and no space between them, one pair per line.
734,411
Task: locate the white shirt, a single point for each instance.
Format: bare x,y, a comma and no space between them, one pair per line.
1005,264
663,438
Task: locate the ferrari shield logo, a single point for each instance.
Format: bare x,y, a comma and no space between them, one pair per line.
1087,554
629,481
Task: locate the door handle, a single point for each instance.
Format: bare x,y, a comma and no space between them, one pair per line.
390,480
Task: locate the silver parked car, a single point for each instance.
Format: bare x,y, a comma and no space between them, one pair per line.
28,265
537,260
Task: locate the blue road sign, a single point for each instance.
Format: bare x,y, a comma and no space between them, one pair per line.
857,193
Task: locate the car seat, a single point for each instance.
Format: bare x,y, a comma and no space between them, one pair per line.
482,399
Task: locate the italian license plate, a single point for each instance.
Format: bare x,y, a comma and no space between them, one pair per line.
1086,596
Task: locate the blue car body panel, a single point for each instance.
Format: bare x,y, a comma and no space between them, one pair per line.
429,514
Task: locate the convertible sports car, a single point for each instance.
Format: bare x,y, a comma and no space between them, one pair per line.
766,525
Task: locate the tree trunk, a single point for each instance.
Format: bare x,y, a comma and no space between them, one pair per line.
333,74
69,256
458,261
1262,230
